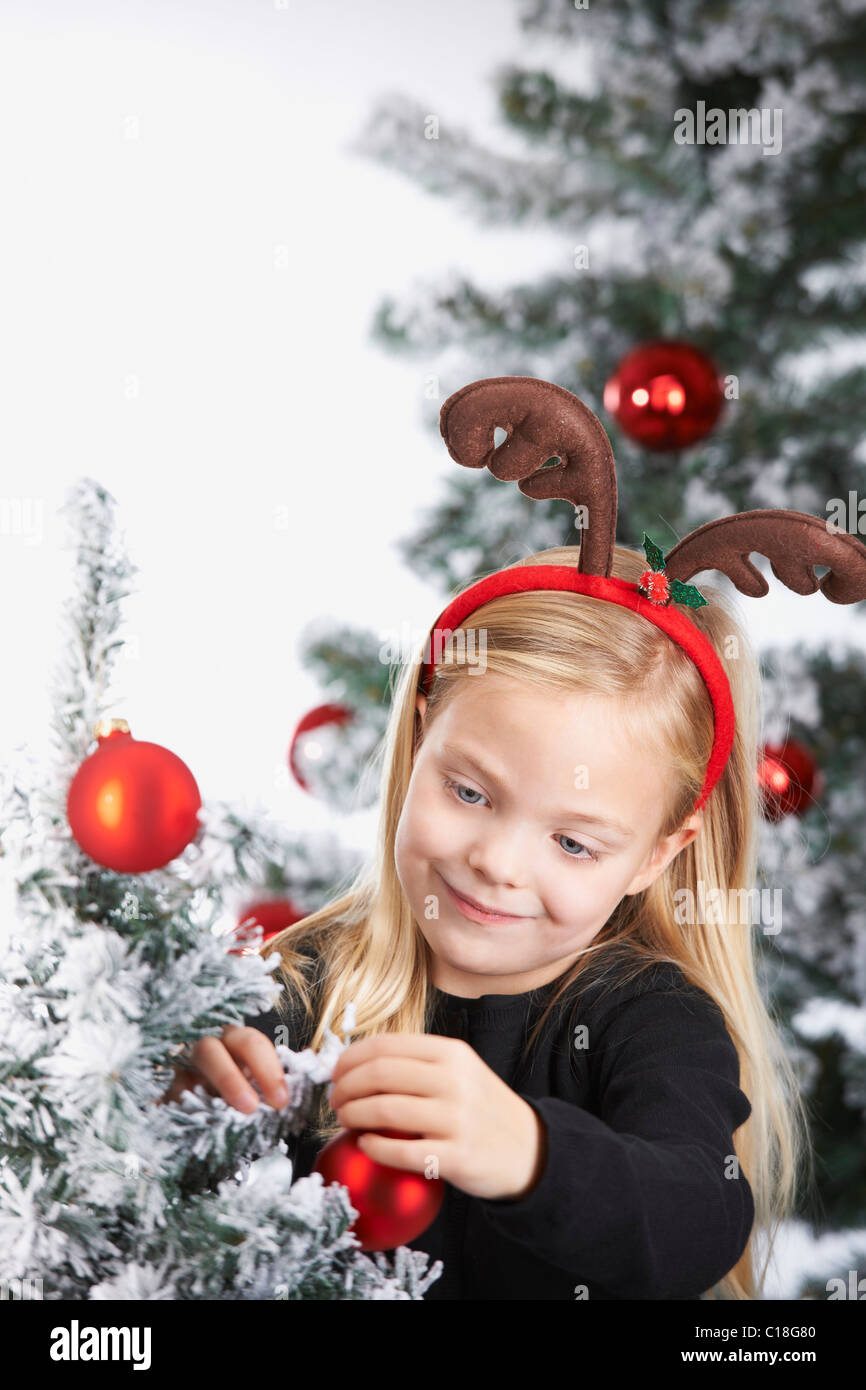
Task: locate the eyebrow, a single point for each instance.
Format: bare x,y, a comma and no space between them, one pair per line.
586,817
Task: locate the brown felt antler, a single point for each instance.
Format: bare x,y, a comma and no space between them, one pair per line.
542,421
793,542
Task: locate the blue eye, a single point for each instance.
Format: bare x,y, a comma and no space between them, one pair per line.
593,853
461,787
589,855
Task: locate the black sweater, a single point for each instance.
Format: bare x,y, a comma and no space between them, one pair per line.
636,1199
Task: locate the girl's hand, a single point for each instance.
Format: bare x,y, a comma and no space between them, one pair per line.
487,1140
221,1064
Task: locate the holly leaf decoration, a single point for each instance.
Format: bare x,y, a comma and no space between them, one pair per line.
654,555
686,593
680,593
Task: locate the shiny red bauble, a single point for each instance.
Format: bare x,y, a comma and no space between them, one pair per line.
789,779
665,394
304,748
132,806
393,1205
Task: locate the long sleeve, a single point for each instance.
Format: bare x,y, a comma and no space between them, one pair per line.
643,1200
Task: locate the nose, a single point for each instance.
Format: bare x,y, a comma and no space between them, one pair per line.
496,858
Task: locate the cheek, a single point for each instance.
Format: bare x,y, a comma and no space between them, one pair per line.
429,827
418,828
581,894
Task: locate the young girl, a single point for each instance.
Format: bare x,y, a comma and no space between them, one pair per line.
590,1062
543,1006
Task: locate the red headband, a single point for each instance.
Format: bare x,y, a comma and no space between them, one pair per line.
628,595
545,425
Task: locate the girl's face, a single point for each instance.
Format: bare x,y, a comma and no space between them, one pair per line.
507,791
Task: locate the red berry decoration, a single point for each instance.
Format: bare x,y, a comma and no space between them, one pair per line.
271,914
655,585
789,779
132,806
393,1205
665,394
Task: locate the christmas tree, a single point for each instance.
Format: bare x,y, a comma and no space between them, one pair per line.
674,229
706,172
109,1189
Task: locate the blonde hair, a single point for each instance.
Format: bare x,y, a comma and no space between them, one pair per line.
371,950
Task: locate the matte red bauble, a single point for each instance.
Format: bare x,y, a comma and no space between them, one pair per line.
132,806
665,394
789,778
393,1205
271,914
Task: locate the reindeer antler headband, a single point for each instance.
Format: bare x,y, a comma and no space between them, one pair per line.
543,422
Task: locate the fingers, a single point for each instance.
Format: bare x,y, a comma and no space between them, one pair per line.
224,1065
403,1075
183,1080
240,1053
425,1047
413,1117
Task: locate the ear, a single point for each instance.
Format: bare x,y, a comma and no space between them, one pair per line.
665,850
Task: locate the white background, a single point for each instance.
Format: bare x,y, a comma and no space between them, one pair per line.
154,159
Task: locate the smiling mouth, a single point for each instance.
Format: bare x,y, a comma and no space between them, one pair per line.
472,908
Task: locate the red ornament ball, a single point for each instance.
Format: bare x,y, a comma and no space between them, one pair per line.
665,394
271,914
305,752
393,1205
331,753
789,779
132,806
